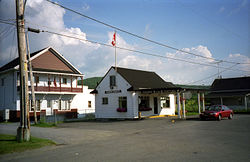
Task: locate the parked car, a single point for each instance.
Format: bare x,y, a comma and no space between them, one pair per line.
217,112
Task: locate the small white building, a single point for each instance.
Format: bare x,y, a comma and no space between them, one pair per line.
56,88
123,93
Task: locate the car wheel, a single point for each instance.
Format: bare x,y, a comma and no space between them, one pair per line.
219,117
230,116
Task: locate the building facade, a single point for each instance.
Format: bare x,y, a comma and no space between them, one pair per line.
55,84
127,93
232,92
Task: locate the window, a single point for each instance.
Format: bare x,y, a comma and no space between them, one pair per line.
112,81
89,104
165,102
38,105
64,80
30,106
144,101
64,105
105,101
36,79
59,105
122,102
2,82
49,103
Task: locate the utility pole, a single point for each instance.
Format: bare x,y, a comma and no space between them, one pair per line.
23,131
33,104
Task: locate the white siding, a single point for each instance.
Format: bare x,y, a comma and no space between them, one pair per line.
171,109
80,101
8,91
109,110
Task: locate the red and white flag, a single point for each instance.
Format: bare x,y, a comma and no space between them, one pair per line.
114,39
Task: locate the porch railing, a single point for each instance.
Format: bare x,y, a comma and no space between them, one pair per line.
55,89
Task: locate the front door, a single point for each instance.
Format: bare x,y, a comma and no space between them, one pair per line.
155,105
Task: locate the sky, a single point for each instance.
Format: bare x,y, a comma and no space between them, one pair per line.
214,29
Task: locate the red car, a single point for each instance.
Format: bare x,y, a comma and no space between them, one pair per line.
217,112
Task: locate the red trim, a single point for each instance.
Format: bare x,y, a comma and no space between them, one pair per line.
71,84
54,89
76,82
49,81
60,77
82,82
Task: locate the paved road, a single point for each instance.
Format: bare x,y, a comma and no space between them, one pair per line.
145,140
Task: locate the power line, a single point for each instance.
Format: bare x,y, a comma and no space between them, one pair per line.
131,50
137,51
211,76
4,22
140,37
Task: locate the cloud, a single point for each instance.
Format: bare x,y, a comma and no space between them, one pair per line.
94,60
222,9
148,31
242,59
85,7
240,6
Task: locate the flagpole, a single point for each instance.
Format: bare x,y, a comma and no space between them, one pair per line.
115,54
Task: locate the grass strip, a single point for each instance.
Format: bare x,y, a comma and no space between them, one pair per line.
8,144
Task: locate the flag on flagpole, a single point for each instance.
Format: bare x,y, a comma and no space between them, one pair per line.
114,39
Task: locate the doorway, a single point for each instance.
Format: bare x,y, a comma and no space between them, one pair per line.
155,105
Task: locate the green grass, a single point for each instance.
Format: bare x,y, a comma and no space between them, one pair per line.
192,113
43,124
8,144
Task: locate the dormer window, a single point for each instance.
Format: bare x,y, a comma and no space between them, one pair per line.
112,81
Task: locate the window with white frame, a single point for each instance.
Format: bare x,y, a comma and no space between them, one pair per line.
123,102
144,101
89,104
112,81
38,105
49,103
64,80
30,106
64,105
165,102
105,101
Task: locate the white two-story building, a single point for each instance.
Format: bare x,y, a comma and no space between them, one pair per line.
55,84
123,93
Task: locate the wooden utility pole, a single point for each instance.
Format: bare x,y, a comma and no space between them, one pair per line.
23,131
33,104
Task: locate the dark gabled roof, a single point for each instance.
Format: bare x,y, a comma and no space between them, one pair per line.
241,84
15,62
144,80
49,60
194,87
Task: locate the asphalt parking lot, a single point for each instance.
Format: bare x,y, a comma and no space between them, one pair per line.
145,140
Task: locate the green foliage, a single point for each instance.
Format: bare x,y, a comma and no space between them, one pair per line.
8,144
242,111
89,117
192,104
90,82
